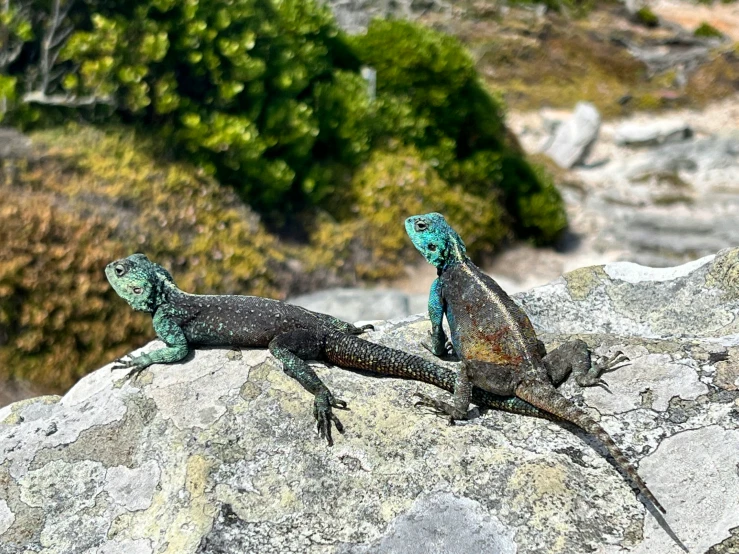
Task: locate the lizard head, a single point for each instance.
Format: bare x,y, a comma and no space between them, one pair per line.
435,239
139,281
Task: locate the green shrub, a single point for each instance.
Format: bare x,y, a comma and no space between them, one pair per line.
646,17
454,122
706,30
391,186
255,92
94,197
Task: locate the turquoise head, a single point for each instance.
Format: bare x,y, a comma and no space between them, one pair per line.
436,240
139,281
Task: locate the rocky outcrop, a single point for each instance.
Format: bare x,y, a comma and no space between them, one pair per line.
572,139
217,454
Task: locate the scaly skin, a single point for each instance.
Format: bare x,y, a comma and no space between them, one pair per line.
292,334
497,342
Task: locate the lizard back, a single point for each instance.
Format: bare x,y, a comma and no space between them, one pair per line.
494,327
213,320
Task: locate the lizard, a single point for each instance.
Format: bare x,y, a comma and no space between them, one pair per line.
496,341
292,334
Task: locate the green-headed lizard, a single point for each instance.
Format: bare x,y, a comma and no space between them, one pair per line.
497,343
293,335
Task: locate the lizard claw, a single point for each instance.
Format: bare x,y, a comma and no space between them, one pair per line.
368,327
134,373
325,417
120,363
619,359
439,407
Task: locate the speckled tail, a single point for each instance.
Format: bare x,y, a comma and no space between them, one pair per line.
352,352
547,398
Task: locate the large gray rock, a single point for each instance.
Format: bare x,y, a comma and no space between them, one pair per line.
657,132
353,16
217,455
13,144
573,139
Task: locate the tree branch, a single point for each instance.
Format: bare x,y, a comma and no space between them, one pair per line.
65,100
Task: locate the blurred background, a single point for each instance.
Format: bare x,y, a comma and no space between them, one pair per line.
274,147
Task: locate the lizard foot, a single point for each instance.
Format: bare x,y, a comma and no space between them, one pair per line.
368,327
593,377
447,353
136,369
325,417
439,407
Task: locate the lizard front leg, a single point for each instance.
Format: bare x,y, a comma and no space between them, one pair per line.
440,344
292,349
172,335
574,357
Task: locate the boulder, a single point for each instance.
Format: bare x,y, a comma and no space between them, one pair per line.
14,144
572,139
218,454
659,132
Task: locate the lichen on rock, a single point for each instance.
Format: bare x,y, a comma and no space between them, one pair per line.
218,454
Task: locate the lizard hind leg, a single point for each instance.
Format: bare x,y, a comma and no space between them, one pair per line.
460,401
574,358
293,349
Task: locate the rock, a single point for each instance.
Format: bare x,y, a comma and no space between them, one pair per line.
660,132
217,454
352,304
353,16
13,144
573,139
698,156
683,52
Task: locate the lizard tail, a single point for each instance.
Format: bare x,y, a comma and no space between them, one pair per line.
353,352
547,398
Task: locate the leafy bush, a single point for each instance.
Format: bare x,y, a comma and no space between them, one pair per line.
455,123
267,97
259,93
707,30
390,187
646,17
95,197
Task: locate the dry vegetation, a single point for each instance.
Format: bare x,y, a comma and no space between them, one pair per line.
557,61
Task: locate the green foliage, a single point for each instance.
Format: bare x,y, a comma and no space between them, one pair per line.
646,17
454,122
94,197
707,30
385,191
266,96
259,93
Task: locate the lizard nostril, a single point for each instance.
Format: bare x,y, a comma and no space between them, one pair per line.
120,270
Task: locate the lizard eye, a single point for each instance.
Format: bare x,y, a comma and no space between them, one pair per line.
137,290
421,226
120,270
431,247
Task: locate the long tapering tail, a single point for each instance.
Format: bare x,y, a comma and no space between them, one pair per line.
546,397
353,352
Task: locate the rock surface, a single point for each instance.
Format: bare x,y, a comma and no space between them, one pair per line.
661,205
217,454
572,140
659,132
